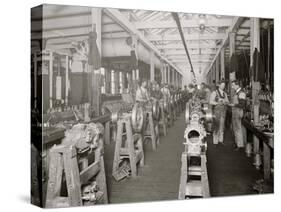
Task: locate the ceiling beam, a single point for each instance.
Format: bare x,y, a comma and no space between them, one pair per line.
191,51
117,16
195,62
190,46
215,36
192,56
185,24
236,22
58,16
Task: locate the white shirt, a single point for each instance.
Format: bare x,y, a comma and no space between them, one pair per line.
142,95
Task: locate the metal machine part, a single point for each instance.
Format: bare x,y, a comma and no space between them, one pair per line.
194,177
194,111
194,135
137,118
84,136
155,110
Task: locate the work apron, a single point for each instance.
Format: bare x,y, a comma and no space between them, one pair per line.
237,115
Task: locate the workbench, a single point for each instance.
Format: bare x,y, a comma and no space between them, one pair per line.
267,142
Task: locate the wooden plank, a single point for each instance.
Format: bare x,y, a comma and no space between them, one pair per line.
183,177
204,178
193,188
89,172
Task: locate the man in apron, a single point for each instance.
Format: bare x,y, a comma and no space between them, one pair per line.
219,100
238,104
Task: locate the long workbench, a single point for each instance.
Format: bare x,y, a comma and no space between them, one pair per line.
267,142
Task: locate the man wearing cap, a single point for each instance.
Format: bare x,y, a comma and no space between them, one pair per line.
238,104
219,100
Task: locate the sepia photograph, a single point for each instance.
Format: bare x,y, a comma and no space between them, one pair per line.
133,105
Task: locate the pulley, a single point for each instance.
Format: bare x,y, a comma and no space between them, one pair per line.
209,115
115,116
137,117
155,110
205,107
166,106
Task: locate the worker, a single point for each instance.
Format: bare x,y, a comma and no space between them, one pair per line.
166,93
219,101
142,95
156,92
204,93
208,93
191,90
238,104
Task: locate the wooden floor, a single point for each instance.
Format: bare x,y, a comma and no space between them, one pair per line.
230,172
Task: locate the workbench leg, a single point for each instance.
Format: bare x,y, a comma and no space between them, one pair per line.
152,132
107,133
140,148
183,177
257,160
101,180
157,134
55,177
131,147
118,144
244,131
266,161
72,177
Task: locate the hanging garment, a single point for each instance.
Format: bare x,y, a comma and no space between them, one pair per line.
133,60
233,63
94,58
258,67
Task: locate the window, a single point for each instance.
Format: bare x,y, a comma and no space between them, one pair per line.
103,80
112,82
121,83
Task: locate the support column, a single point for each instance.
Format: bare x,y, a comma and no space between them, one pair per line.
172,76
168,73
175,78
217,70
255,44
232,51
254,36
35,79
162,72
66,79
95,91
152,67
51,80
222,63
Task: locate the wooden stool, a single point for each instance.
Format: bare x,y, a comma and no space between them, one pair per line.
128,146
64,159
151,130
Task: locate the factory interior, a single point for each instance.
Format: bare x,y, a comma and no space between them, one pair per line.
131,105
